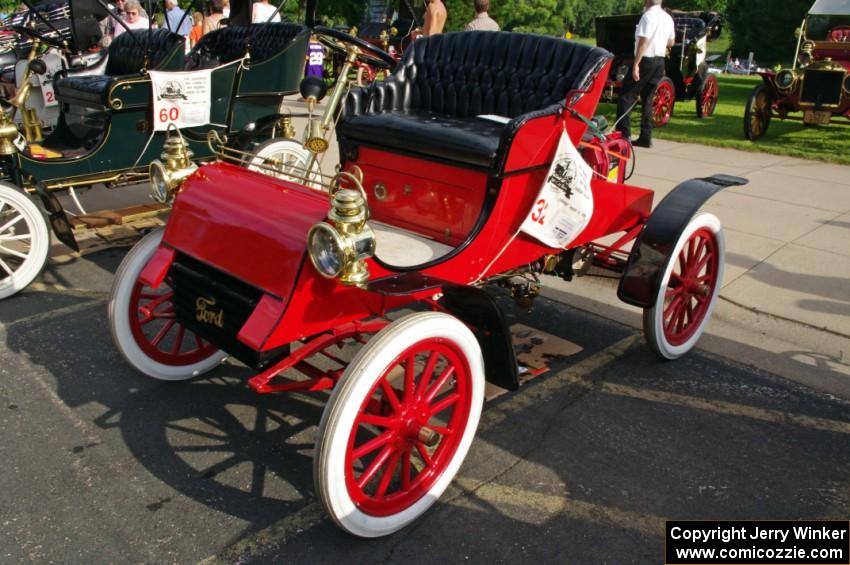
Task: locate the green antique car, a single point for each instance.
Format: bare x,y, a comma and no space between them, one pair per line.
107,127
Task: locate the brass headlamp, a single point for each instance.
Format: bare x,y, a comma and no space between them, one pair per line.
8,134
173,167
340,250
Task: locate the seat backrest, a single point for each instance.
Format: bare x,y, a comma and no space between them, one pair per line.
127,51
471,73
229,44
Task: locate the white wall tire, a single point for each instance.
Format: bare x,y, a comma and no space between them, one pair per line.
24,240
375,491
290,161
689,288
143,326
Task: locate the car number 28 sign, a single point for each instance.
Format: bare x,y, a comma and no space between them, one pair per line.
564,205
182,99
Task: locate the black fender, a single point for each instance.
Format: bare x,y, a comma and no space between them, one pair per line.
477,309
57,218
257,128
652,250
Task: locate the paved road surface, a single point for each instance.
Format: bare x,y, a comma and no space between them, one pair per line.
581,465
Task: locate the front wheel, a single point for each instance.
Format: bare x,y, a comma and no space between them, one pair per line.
757,113
144,326
285,159
707,96
663,102
689,288
24,240
399,424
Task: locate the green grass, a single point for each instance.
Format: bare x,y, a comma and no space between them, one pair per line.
726,127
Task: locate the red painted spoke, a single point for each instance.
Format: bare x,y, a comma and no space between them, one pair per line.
444,403
690,312
671,307
405,469
442,380
690,254
699,252
702,263
423,453
443,431
198,341
427,373
671,323
163,332
390,396
704,278
409,366
371,445
388,474
673,291
156,300
376,420
374,466
178,340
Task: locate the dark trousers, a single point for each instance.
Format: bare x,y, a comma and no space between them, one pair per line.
651,73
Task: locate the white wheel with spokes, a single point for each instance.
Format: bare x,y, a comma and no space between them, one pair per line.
24,240
399,424
144,327
285,159
689,289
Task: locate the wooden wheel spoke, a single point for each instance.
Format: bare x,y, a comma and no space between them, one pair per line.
376,464
6,268
444,403
371,445
427,372
376,420
13,252
440,382
163,332
405,469
178,339
389,470
390,395
674,304
11,223
423,453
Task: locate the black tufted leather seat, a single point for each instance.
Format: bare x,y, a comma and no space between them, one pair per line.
432,103
230,43
126,57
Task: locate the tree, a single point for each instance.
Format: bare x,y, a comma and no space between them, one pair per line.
766,27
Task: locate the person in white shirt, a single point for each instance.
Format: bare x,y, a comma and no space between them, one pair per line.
654,35
262,12
133,16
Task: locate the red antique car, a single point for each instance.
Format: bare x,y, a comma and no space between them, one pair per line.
459,171
817,84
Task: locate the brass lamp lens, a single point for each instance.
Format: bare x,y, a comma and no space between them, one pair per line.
325,250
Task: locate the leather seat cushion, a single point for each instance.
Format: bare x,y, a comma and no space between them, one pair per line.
473,141
229,43
88,90
126,57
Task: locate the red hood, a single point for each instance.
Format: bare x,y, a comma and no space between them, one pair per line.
246,224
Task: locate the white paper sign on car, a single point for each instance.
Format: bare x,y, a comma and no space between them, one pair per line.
564,205
181,98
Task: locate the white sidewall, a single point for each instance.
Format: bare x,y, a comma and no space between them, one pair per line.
275,147
119,318
666,349
342,408
12,197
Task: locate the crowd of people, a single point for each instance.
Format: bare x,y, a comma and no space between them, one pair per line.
131,15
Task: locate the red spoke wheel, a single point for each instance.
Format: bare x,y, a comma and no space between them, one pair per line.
707,97
757,113
399,424
144,327
689,289
663,102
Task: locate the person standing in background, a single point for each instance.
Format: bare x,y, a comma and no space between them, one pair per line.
176,19
197,29
655,33
212,21
263,11
482,20
435,18
132,17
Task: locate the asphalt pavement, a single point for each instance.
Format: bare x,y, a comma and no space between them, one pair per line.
581,465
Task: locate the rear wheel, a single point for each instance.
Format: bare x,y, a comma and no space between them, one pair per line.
689,289
144,326
707,96
24,240
399,424
757,113
285,159
663,102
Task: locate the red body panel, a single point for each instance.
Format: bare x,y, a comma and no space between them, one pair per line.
246,224
445,210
